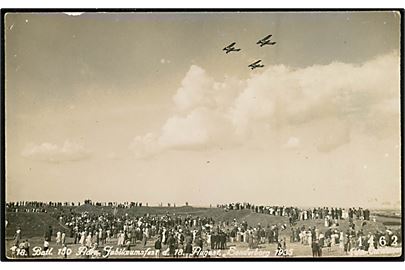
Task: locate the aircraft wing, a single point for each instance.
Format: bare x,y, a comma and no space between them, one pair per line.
230,45
269,36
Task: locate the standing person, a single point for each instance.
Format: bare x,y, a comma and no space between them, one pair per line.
171,243
189,247
321,241
144,237
100,236
108,236
96,238
222,239
341,241
319,250
121,239
164,236
26,247
292,235
269,234
213,240
232,235
209,239
133,237
17,237
310,239
46,245
76,235
48,234
58,238
158,246
82,238
315,248
89,243
63,239
250,240
333,239
260,236
276,234
347,243
326,221
64,251
14,251
239,236
199,243
245,235
370,242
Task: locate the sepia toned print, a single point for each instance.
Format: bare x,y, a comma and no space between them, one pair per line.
202,135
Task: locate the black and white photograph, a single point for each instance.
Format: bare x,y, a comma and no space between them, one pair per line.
202,135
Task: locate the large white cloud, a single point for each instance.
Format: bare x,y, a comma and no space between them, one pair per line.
200,128
198,89
210,113
302,95
68,151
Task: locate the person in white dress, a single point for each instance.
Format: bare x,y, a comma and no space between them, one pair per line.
108,235
302,237
326,221
89,242
58,239
209,239
239,236
341,241
333,239
360,242
370,242
121,238
100,235
63,239
82,238
345,214
309,237
164,235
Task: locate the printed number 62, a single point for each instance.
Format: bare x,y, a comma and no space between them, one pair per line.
383,242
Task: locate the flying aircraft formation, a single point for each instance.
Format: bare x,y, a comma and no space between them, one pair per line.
230,48
256,64
266,41
262,42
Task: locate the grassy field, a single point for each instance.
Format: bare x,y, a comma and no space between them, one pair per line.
33,226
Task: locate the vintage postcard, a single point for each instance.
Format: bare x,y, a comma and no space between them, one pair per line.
202,135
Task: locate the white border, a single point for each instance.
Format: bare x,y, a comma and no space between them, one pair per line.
201,4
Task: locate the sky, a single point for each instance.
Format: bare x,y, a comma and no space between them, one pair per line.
147,107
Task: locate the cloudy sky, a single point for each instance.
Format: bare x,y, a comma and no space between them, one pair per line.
147,107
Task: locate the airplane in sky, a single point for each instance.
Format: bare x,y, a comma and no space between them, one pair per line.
256,64
266,41
230,48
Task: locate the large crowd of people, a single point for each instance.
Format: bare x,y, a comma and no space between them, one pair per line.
37,206
187,232
294,213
